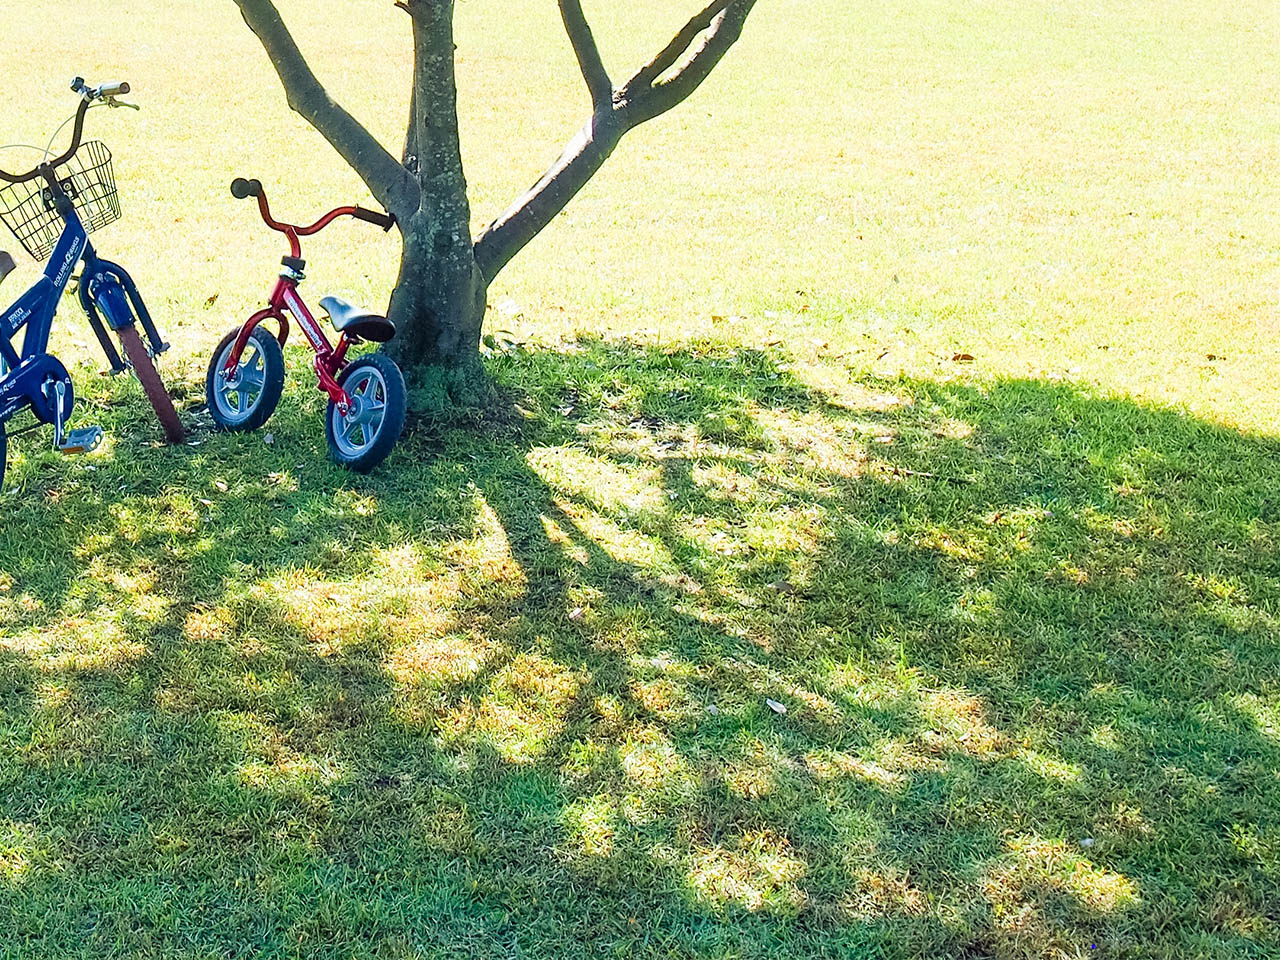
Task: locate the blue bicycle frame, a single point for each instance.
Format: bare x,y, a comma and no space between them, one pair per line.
28,373
106,292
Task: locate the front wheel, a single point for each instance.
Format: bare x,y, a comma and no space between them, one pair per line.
246,399
145,370
362,439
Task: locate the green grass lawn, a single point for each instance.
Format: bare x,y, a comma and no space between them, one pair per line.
510,696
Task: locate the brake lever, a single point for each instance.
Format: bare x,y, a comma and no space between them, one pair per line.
113,103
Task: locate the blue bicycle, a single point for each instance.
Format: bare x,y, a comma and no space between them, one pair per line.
52,210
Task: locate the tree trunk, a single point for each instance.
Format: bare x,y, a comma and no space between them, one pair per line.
438,306
439,302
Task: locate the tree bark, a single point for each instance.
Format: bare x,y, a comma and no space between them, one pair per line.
439,301
386,179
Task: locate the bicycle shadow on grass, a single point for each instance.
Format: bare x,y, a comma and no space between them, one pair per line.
530,680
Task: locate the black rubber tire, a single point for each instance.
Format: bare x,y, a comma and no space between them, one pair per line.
4,453
397,400
272,386
145,370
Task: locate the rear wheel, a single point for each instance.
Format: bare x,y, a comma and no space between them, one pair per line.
4,451
248,398
362,439
145,370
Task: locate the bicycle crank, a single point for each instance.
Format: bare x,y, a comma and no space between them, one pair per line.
84,440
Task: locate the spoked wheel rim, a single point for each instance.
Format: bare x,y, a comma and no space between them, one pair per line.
358,431
238,396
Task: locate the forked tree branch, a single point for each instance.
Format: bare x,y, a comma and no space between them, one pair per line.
587,52
645,96
679,45
387,179
660,85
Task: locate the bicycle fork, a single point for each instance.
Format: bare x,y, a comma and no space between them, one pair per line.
108,292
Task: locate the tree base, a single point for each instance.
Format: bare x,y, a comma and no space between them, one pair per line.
436,388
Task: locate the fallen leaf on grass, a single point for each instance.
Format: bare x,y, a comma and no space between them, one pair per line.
211,301
962,358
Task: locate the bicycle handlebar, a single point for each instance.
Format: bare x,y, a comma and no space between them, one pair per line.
88,95
242,189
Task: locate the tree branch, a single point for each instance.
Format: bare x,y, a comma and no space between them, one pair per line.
393,186
587,52
667,57
642,98
538,206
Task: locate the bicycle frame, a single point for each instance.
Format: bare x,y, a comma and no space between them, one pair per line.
106,292
23,385
51,210
285,301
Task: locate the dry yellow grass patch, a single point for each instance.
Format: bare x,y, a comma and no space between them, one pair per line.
757,871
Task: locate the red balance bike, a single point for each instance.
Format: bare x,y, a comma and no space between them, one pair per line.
366,396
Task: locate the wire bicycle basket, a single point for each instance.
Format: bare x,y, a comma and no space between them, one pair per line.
28,209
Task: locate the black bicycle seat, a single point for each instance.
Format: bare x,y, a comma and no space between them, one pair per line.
7,266
357,322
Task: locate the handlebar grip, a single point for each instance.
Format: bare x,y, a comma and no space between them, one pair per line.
116,89
242,188
384,220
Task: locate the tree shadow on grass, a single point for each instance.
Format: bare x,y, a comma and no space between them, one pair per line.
512,697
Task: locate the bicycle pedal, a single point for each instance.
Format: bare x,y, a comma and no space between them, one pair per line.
84,440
